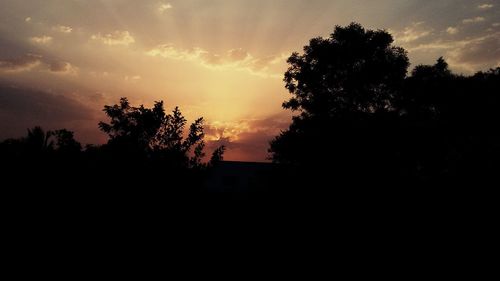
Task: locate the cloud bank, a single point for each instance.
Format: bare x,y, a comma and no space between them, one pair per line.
118,37
235,59
22,108
20,64
31,62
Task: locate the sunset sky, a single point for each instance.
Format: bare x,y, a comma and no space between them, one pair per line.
61,61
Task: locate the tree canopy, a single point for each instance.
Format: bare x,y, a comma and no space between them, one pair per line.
147,148
360,115
335,82
352,70
151,133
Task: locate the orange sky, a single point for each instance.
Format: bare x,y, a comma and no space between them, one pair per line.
220,59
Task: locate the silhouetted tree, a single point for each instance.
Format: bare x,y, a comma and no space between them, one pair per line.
453,120
217,155
152,134
362,120
39,141
132,128
353,70
65,142
11,149
353,73
43,143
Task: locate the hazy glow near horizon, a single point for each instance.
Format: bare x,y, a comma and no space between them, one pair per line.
221,59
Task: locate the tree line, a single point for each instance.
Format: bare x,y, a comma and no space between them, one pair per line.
361,118
144,144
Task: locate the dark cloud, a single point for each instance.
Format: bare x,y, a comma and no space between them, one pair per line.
22,63
251,144
60,66
11,48
483,51
29,61
97,98
22,108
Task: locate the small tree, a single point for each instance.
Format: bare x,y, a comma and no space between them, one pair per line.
66,143
133,129
217,155
39,141
150,133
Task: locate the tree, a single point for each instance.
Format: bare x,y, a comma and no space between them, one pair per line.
217,155
337,81
363,120
65,142
453,120
152,134
133,129
353,70
39,141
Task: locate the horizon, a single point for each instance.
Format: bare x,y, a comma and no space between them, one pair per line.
223,60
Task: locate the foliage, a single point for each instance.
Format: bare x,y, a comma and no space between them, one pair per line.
352,70
65,141
151,133
360,115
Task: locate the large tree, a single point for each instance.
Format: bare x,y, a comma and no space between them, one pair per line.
360,117
346,76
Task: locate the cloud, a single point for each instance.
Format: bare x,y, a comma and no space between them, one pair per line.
246,139
20,64
444,45
473,20
28,19
62,67
485,6
414,32
452,30
171,52
132,79
470,55
62,29
99,74
235,59
42,40
116,38
30,62
238,54
163,7
22,108
495,24
478,53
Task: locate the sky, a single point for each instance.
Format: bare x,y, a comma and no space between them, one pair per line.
61,61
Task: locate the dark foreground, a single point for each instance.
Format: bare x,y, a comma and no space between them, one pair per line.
62,188
265,211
